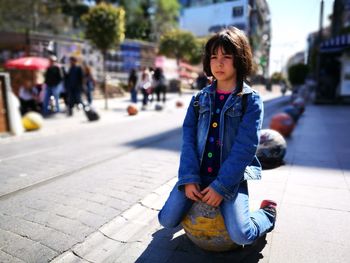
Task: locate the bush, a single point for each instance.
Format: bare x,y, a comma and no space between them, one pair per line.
297,74
277,77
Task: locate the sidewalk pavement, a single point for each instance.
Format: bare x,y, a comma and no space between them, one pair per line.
311,189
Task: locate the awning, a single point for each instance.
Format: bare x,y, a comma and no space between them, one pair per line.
335,44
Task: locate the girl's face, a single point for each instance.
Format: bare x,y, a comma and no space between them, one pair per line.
221,65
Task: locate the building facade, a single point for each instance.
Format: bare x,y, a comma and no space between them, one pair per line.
205,17
119,61
329,56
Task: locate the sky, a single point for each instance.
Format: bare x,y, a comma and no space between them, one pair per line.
291,22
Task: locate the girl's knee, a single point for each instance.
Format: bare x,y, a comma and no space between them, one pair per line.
166,221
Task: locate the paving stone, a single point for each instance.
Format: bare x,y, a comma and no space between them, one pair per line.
317,224
24,248
68,257
129,254
295,247
321,197
98,248
66,225
6,258
49,237
153,201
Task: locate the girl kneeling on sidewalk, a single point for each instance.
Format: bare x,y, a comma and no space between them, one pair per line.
220,137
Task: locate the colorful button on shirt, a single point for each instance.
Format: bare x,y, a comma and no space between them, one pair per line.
211,159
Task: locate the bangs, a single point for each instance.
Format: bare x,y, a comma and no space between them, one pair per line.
222,42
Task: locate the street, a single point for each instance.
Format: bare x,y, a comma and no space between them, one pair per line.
58,189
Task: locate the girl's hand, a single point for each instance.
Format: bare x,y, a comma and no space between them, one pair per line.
192,191
211,197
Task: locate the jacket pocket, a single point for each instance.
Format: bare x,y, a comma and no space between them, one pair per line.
234,112
203,109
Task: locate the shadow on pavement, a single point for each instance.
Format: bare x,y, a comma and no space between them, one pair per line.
160,141
165,248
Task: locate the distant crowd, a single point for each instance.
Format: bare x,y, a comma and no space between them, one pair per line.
149,83
69,84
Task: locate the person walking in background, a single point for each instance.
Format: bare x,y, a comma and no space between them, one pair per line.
220,138
53,78
74,85
89,82
132,81
159,84
145,86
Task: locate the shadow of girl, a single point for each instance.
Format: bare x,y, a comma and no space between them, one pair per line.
173,246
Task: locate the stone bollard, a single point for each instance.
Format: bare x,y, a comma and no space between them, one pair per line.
293,112
32,121
179,104
132,110
271,149
282,123
204,226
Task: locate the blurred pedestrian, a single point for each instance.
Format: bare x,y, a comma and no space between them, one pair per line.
283,86
132,81
53,78
28,97
89,82
220,138
145,85
159,84
201,81
74,85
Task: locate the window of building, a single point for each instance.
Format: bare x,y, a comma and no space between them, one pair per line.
237,11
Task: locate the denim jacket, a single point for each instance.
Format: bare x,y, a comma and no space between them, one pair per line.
239,136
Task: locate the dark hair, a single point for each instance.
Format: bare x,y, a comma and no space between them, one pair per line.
232,41
73,59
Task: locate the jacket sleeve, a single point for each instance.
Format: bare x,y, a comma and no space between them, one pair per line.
189,161
243,150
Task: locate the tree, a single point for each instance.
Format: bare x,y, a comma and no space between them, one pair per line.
32,15
105,27
196,55
165,17
51,16
178,44
138,19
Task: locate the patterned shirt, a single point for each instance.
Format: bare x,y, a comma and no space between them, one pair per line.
211,160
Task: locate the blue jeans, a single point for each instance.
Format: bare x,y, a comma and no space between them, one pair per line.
243,226
51,91
133,93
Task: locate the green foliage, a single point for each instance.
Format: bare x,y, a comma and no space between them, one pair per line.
166,16
196,55
138,19
105,26
74,9
34,15
178,44
297,73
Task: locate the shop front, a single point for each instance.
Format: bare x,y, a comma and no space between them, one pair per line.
334,73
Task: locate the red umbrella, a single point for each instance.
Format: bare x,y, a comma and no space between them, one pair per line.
29,63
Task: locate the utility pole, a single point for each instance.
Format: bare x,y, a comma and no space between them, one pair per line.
320,33
318,46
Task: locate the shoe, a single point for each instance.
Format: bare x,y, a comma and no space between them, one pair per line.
266,203
269,206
